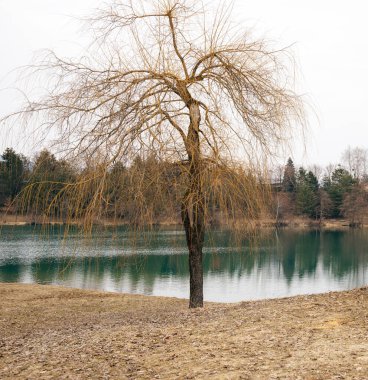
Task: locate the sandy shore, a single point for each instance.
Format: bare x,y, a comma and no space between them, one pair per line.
58,333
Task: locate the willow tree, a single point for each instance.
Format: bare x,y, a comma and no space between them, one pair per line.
169,77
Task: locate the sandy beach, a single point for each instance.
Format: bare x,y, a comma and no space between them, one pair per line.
49,332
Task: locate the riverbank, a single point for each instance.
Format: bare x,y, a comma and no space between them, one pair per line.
295,223
53,332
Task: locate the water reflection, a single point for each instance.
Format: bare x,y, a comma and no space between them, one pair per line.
283,264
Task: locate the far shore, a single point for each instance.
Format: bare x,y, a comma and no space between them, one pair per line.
302,223
49,332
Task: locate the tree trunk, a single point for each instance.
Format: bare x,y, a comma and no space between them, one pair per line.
192,211
194,236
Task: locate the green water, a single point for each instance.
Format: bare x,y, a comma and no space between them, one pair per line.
280,264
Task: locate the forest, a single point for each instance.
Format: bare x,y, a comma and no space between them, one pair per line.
43,188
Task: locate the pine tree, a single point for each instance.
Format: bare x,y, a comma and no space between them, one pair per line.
340,183
307,193
289,180
11,173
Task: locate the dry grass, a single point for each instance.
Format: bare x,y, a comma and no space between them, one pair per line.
53,332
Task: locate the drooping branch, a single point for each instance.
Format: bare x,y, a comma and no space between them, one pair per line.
145,74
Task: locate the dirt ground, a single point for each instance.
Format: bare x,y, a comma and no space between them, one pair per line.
58,333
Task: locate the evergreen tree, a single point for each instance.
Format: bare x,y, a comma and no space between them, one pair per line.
312,181
307,193
48,177
2,182
337,186
12,174
289,179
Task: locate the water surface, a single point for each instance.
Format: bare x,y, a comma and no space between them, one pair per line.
280,264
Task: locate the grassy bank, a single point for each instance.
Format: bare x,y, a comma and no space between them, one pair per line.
52,332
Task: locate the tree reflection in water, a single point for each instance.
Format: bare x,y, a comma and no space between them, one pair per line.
287,263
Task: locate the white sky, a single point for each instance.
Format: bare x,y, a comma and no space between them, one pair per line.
331,47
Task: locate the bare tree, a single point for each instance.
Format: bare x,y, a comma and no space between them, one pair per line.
354,206
329,169
169,78
356,161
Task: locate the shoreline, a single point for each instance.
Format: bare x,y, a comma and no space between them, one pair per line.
57,332
292,223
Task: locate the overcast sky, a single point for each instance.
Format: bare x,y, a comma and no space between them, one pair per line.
331,47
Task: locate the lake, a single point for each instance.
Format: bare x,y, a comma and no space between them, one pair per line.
279,264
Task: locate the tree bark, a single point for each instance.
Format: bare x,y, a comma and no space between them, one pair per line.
192,211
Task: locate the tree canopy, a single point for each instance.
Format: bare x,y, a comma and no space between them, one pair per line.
161,79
